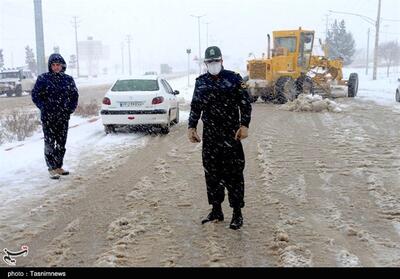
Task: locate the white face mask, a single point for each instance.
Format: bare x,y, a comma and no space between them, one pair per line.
214,68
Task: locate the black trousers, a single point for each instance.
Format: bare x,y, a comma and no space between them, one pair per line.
224,162
55,137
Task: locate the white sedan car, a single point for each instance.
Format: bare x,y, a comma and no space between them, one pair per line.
137,101
398,92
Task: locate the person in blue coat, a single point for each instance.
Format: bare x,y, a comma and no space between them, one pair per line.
221,100
56,96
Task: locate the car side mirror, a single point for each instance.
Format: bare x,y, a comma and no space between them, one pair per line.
176,92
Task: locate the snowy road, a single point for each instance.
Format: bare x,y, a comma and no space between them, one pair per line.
322,189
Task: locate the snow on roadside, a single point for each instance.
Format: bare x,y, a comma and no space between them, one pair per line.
185,88
23,171
381,91
23,168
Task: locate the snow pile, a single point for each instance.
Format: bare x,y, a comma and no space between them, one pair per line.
312,103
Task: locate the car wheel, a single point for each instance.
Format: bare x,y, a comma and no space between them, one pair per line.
165,129
109,129
18,91
176,121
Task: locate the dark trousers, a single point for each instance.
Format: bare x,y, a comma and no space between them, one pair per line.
55,137
224,162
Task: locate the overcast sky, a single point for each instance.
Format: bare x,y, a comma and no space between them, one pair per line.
162,30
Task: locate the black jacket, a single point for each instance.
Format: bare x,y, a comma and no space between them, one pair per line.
55,94
223,102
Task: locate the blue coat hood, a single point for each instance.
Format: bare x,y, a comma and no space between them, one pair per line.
57,58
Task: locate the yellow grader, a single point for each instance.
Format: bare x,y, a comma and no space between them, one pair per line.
290,69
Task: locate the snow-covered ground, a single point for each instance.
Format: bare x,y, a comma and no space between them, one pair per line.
337,208
23,171
381,91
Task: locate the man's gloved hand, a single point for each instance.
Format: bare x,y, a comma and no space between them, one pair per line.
193,136
242,133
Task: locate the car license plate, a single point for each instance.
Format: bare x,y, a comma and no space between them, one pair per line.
131,104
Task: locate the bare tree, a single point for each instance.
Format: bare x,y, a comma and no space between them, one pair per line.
1,58
30,59
72,63
390,53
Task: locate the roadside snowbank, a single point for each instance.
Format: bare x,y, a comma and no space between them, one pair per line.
381,91
310,103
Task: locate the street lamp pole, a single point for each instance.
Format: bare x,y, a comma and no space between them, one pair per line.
122,59
188,51
376,24
376,51
129,39
367,66
198,21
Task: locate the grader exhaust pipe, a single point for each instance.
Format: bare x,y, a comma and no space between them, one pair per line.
269,47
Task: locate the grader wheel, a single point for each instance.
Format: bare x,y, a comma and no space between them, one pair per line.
353,85
285,90
304,85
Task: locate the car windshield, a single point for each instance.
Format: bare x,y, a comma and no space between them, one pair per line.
135,85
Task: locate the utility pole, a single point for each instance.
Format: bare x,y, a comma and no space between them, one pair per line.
75,23
207,23
327,28
122,58
129,39
376,51
41,61
367,66
198,21
188,51
377,25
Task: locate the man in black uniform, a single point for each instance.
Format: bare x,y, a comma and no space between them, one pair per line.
221,100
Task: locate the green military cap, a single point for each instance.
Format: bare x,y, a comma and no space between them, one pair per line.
212,53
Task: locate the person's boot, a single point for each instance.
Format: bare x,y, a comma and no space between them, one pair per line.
215,214
61,171
237,219
54,174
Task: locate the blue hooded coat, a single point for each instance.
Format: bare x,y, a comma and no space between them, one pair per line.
55,94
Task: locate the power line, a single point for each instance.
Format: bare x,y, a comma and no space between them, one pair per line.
392,20
365,18
376,23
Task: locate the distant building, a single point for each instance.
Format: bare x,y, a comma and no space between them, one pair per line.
91,53
165,69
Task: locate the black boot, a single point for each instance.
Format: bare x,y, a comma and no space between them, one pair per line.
237,219
215,214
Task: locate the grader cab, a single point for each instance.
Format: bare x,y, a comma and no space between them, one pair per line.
290,69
